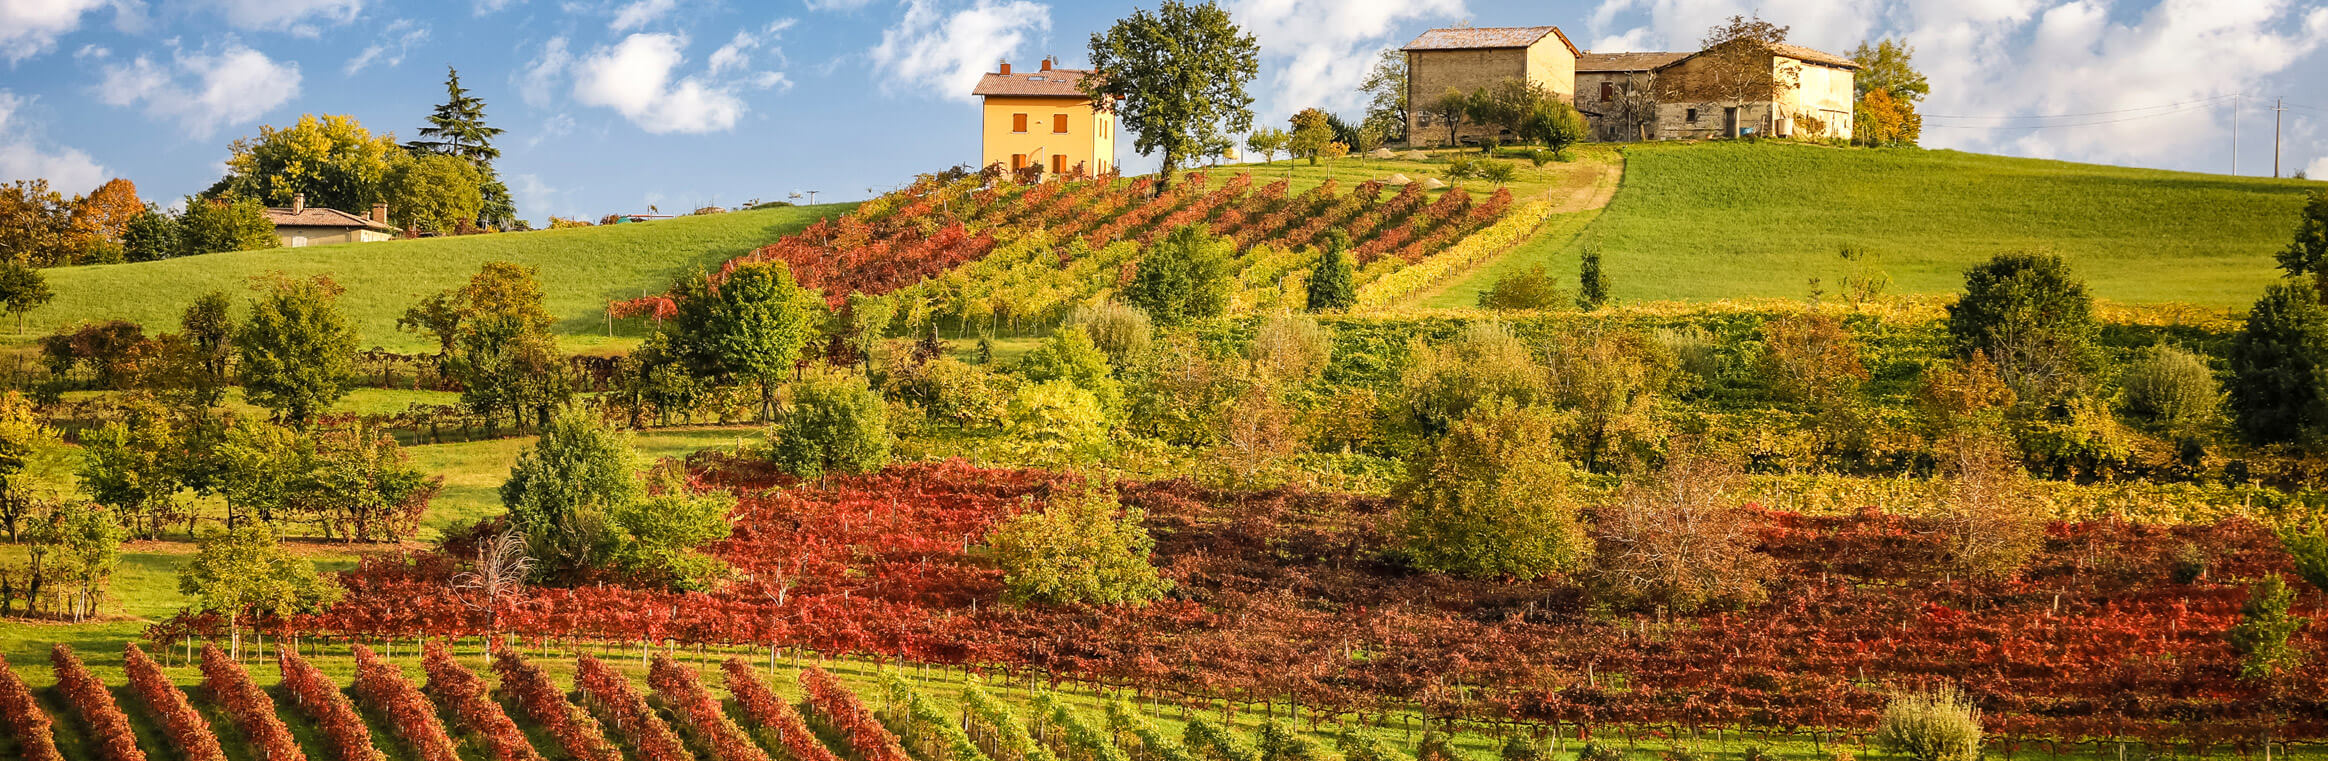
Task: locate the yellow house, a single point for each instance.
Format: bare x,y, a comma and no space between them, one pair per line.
1042,119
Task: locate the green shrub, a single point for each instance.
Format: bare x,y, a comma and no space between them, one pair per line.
2033,319
1441,383
1519,747
1056,423
1120,330
1071,355
2279,367
1292,347
1594,751
1592,284
1698,361
833,422
1278,743
1332,284
954,392
2261,636
1082,547
1491,499
1528,289
1940,724
2171,389
1185,276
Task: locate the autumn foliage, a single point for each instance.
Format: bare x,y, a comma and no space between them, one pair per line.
252,712
611,696
24,719
344,731
188,730
764,709
576,734
381,685
108,729
700,713
463,695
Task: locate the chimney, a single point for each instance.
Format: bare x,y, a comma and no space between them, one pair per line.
380,213
1006,67
298,202
1046,63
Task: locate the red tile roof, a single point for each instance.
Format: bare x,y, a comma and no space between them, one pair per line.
1488,38
313,216
1815,56
1607,62
1056,83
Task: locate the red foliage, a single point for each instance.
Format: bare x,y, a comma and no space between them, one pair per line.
314,694
252,712
24,718
462,694
605,690
763,708
700,712
108,728
575,732
383,686
188,730
848,715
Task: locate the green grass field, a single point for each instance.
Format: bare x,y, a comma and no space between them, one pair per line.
1730,220
581,270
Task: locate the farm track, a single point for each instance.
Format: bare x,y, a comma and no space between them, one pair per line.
1573,209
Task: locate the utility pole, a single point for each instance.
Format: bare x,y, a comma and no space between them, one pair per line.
2278,105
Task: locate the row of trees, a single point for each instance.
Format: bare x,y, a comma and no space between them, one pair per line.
41,228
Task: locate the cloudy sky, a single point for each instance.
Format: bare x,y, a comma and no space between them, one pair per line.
615,105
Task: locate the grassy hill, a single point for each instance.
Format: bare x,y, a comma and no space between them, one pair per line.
581,270
1728,220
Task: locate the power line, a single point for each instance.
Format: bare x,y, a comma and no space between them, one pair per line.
2195,106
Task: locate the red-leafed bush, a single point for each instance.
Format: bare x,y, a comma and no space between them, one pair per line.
344,732
611,696
845,713
700,713
188,731
252,712
108,729
24,719
381,685
763,709
573,729
462,694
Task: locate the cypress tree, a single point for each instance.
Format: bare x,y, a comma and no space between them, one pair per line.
1332,286
1592,287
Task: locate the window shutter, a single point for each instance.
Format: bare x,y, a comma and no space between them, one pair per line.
1018,122
1058,124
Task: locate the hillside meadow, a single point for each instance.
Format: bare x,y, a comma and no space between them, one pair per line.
1732,220
581,271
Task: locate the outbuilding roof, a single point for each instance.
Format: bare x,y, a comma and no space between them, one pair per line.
1056,83
1815,56
1488,38
1608,62
313,216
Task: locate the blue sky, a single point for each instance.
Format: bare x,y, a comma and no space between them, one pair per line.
615,105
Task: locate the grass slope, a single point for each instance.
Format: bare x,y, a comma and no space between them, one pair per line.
581,270
1726,220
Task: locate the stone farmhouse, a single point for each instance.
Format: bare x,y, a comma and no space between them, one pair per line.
1638,96
301,225
1042,119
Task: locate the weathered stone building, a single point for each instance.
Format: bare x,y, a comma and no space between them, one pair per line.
1800,92
1471,58
1617,93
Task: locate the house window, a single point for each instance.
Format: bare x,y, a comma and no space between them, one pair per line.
1058,163
1018,122
1692,117
1058,124
1608,91
1018,161
298,240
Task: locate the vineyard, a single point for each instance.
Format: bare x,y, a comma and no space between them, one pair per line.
1007,253
1291,596
697,709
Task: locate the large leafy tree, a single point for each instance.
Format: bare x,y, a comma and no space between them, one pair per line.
1386,96
1888,87
1176,77
35,224
151,236
2307,253
246,570
1736,67
500,346
297,348
457,128
1084,547
751,326
332,158
1491,498
1183,277
105,214
2034,319
435,193
215,225
2279,367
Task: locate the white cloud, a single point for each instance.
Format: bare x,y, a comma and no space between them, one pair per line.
943,53
2318,169
1681,24
489,7
836,5
540,76
68,170
203,91
737,54
390,47
30,27
639,12
536,199
301,17
1321,50
635,78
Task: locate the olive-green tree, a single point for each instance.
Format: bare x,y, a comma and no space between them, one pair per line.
830,422
1186,276
751,326
2033,318
297,349
2279,367
1332,283
246,570
1176,78
2261,638
1491,498
1082,548
22,289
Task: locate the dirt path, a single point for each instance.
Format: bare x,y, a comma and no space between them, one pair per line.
1588,192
